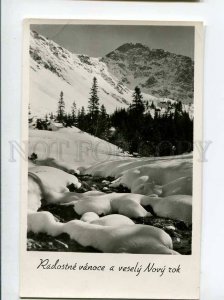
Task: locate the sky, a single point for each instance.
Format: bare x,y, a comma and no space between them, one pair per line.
99,40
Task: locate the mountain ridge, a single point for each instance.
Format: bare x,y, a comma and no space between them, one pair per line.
54,69
156,71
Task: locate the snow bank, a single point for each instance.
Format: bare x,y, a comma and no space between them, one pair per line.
53,179
177,207
109,239
50,184
52,162
125,204
43,222
141,174
110,220
167,178
70,149
45,183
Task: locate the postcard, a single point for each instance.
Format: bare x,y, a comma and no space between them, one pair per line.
111,179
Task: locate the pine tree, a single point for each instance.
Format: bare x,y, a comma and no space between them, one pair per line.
103,111
68,122
81,120
61,108
93,106
103,128
137,104
73,113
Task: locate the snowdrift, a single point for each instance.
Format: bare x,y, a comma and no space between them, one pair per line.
54,189
166,181
109,239
70,149
158,187
135,172
110,220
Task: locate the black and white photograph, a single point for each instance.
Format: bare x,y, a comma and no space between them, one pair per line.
111,138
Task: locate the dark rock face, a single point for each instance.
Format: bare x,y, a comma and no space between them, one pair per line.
157,72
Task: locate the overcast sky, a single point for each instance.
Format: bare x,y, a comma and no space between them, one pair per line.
98,40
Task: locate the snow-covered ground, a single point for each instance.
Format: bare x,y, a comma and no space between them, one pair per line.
164,184
71,148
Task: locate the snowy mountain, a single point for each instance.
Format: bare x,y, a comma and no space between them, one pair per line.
155,71
54,69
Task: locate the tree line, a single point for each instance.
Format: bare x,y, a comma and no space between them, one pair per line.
133,129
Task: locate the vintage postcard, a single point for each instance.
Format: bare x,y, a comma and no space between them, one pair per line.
111,181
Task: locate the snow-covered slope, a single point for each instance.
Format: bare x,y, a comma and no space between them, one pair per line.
54,69
71,148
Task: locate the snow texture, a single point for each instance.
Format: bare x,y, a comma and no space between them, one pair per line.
70,149
110,220
109,239
160,185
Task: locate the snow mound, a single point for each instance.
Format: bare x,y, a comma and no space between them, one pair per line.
34,194
177,207
109,239
52,162
44,186
70,149
125,204
54,179
50,184
141,175
167,181
110,220
89,217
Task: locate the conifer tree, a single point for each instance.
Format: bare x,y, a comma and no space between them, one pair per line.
68,122
103,111
73,113
61,108
137,104
103,123
81,120
93,106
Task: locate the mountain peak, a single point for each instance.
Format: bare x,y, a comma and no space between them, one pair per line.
158,72
128,46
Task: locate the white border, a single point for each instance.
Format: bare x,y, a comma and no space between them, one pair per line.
210,11
47,283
